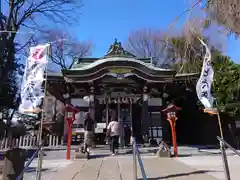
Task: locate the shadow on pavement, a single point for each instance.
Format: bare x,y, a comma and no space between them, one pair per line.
179,175
33,169
96,156
185,155
124,152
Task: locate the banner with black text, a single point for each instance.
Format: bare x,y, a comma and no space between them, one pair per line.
32,91
204,83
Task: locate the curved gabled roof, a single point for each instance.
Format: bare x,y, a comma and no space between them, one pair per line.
102,67
91,69
119,59
116,54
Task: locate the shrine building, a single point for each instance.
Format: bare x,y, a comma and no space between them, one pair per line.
132,89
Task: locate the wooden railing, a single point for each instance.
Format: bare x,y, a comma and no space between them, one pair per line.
29,141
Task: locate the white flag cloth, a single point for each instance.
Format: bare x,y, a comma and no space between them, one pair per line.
204,83
32,90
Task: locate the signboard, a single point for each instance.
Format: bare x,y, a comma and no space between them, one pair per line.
98,130
120,70
101,125
120,73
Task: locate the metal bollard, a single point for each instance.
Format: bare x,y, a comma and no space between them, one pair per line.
225,162
39,167
134,160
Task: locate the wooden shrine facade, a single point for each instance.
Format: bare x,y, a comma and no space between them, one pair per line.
117,81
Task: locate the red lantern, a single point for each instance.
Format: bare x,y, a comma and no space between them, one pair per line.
171,112
70,118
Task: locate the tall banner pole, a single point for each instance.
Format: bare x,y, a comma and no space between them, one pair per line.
203,89
40,153
204,83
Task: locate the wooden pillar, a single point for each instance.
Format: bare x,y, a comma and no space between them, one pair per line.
107,109
145,116
92,110
92,103
131,119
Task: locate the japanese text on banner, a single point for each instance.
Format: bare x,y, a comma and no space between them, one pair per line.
32,91
204,83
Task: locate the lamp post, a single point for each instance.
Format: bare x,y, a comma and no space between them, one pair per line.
171,112
70,118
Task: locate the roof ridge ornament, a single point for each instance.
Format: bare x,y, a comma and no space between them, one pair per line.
116,50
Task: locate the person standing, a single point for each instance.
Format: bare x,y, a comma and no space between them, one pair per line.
113,130
88,132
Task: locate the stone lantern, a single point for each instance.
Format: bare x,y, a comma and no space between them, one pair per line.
70,118
171,112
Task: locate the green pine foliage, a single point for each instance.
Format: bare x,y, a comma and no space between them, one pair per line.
226,86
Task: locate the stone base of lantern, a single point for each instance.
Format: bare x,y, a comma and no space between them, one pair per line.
164,151
80,155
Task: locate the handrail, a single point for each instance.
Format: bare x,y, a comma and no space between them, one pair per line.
137,153
29,162
224,157
141,164
228,145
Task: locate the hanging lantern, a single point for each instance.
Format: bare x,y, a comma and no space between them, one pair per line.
105,100
130,100
91,98
86,98
119,100
126,100
145,97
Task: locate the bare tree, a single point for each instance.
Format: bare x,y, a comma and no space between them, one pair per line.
30,15
150,43
226,13
181,51
65,49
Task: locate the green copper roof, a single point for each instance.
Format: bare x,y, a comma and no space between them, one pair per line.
117,60
115,51
81,62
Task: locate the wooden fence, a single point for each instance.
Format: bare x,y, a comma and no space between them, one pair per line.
29,142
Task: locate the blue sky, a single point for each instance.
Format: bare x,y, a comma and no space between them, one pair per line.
102,21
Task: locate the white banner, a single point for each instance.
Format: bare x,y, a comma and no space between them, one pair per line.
204,83
32,90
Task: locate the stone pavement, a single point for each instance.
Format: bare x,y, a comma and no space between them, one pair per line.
211,160
49,169
120,168
192,164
